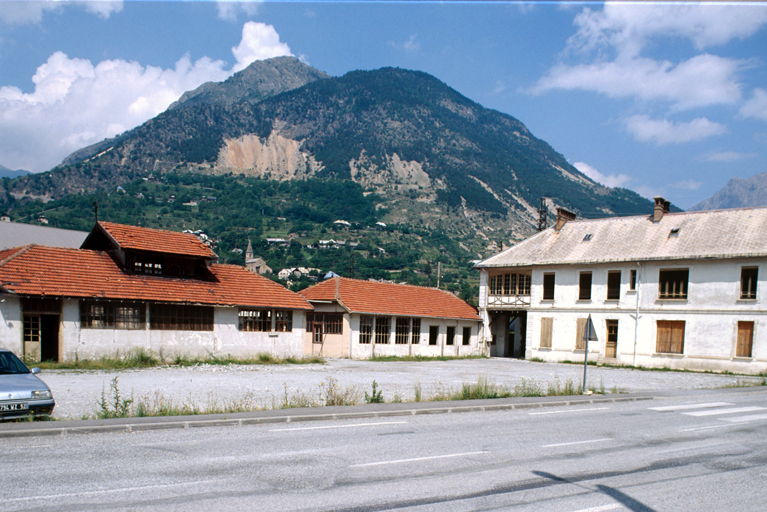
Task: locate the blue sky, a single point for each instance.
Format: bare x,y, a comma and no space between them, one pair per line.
663,98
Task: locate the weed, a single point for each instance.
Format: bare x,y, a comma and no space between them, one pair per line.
335,395
376,397
417,392
113,406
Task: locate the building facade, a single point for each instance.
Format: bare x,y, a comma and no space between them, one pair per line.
363,319
135,288
676,290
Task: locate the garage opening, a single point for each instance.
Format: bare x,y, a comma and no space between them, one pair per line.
42,318
509,334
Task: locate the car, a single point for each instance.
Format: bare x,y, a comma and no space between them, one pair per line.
22,393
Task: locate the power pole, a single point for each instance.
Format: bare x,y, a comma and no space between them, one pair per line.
439,272
543,212
351,266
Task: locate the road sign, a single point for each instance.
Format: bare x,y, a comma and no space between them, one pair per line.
589,334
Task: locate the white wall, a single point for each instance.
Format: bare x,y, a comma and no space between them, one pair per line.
11,325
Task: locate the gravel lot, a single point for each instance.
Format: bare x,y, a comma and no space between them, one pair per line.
77,392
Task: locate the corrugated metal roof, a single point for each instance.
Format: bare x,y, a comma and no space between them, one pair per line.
15,234
716,234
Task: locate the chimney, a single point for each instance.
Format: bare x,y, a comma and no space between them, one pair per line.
338,288
661,208
562,217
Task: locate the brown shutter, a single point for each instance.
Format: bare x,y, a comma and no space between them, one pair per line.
580,326
745,339
546,327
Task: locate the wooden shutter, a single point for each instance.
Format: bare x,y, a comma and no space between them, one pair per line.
670,337
580,326
546,327
745,339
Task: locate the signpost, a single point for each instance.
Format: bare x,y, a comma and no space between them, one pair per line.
589,334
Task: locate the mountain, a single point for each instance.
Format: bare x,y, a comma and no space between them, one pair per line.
433,157
8,173
738,193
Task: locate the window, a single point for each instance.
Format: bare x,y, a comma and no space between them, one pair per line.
546,327
450,336
176,317
283,320
31,329
670,337
415,332
584,286
326,323
673,283
255,320
402,331
745,339
580,327
748,277
433,334
614,285
510,284
160,264
366,329
466,335
548,286
382,329
112,315
633,280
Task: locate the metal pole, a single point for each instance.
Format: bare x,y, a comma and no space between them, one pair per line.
585,357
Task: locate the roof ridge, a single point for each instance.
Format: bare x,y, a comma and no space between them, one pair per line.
22,249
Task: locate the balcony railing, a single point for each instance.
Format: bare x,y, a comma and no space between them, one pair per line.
508,301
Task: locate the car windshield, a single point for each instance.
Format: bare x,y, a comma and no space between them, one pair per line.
10,364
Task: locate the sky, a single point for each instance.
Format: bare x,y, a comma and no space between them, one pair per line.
664,98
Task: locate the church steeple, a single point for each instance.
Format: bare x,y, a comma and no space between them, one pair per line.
249,251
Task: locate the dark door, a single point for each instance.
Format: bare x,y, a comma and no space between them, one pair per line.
49,337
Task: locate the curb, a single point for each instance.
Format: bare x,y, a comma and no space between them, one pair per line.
127,425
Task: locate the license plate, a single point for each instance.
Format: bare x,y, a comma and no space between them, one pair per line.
21,406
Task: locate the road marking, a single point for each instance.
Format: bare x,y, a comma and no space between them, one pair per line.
734,410
575,442
742,419
569,410
611,506
340,426
417,459
106,491
710,427
688,406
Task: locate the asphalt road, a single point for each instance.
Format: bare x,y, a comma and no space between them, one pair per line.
690,451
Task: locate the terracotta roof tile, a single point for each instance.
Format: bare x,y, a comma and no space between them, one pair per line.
79,273
157,240
391,299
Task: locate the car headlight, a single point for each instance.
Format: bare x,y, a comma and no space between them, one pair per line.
44,393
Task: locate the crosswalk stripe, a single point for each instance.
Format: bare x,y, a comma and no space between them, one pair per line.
741,419
689,406
733,410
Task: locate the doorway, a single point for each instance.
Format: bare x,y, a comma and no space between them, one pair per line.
41,338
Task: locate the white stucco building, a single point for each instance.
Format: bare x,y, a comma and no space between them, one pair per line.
677,290
363,319
129,288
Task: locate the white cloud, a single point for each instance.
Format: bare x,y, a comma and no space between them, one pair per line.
663,131
411,45
727,156
228,10
611,180
23,12
76,103
701,81
756,107
628,27
259,41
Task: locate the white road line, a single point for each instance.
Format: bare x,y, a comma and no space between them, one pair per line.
564,411
611,506
733,410
106,491
710,427
575,442
742,419
417,459
688,406
340,426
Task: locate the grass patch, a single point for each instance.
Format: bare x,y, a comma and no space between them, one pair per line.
143,358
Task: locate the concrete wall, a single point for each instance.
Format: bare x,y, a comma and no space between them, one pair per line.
711,314
11,324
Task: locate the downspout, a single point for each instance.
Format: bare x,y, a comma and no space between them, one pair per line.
636,317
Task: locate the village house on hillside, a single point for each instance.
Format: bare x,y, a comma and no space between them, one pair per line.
362,319
137,288
677,290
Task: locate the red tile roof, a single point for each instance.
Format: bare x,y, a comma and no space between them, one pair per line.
157,240
391,299
80,273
